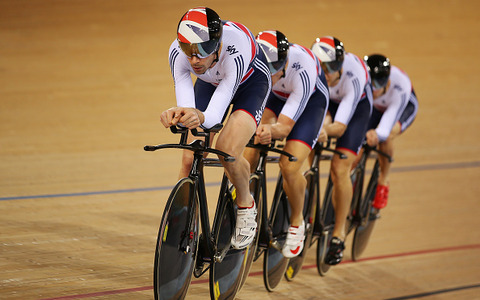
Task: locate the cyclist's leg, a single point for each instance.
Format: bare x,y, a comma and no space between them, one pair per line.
387,147
248,105
405,120
342,190
232,139
294,182
300,142
349,144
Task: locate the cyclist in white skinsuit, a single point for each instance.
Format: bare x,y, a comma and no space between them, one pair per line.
349,110
230,70
395,107
295,110
236,63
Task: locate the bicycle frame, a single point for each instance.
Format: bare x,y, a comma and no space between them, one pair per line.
265,237
360,200
199,148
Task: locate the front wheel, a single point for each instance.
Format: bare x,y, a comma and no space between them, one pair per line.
310,207
275,264
257,193
228,265
364,230
360,239
327,218
177,243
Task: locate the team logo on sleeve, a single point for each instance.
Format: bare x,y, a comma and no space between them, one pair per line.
231,49
296,66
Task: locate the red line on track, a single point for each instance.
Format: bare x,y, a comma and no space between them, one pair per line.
200,281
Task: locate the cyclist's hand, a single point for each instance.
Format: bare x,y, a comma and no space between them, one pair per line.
372,138
167,117
187,116
264,134
190,117
323,136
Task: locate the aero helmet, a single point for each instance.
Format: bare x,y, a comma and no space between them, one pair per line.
199,32
275,46
330,52
379,68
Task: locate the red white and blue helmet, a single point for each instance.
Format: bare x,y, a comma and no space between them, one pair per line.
199,32
331,53
275,46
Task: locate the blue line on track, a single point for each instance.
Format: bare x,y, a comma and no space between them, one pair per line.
445,166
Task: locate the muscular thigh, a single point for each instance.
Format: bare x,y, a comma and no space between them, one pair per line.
236,133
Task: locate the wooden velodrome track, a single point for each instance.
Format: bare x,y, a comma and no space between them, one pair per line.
82,85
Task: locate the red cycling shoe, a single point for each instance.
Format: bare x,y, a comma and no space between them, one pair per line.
381,197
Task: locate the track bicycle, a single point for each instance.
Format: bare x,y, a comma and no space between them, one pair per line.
186,244
362,216
272,237
359,217
272,228
313,213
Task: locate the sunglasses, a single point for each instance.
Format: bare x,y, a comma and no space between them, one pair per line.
378,84
200,50
331,66
276,66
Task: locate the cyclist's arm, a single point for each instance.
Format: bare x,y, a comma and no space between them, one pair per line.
303,87
391,115
180,68
335,129
346,108
281,129
225,91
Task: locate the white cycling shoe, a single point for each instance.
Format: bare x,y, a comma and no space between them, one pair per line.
245,228
294,243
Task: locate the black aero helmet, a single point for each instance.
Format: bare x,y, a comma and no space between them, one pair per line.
275,46
199,32
379,68
330,51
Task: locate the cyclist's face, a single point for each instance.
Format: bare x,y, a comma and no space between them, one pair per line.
379,92
201,65
332,78
277,76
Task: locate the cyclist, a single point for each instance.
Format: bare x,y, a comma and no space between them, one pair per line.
395,107
295,110
349,110
230,69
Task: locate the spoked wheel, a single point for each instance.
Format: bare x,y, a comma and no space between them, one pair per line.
275,264
364,230
176,244
228,265
295,263
328,220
